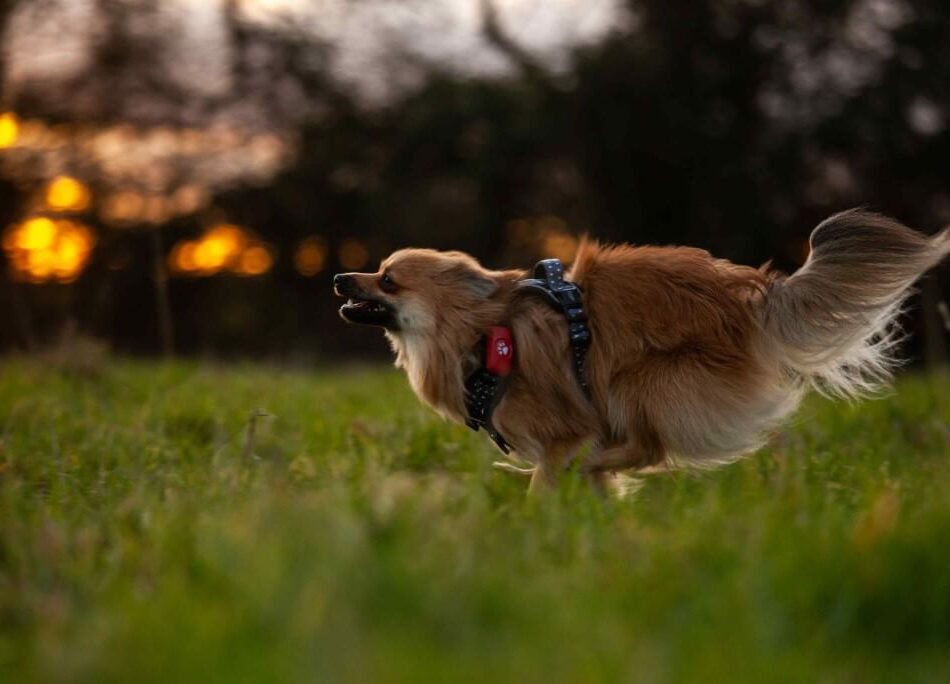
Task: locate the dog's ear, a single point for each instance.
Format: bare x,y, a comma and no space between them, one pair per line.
477,281
480,285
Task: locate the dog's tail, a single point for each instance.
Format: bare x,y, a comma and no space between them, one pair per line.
833,320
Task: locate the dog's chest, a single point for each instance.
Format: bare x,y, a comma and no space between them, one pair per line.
434,375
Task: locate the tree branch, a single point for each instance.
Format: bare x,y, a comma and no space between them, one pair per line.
499,39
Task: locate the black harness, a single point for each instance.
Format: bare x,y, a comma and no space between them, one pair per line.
484,389
483,392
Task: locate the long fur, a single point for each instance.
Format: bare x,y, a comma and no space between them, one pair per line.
833,321
694,360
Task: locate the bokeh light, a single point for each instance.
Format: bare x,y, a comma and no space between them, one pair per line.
189,198
219,248
545,236
42,249
125,208
157,209
225,247
310,256
353,254
559,244
9,129
122,207
256,260
65,193
186,165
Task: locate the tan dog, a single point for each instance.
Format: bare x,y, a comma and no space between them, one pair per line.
694,360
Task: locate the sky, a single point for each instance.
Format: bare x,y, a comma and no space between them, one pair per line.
375,41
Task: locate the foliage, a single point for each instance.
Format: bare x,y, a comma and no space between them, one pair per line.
734,126
151,530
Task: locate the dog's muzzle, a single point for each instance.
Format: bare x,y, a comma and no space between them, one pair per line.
361,307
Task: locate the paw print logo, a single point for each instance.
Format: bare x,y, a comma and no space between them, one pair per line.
502,348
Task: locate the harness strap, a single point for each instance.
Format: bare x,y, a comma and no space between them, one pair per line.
483,392
565,296
486,386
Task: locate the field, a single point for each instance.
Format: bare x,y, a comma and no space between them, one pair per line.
194,522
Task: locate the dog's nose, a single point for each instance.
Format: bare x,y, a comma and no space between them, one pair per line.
343,283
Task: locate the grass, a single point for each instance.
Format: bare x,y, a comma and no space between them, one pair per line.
145,537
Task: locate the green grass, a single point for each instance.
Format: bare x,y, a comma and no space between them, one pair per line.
358,537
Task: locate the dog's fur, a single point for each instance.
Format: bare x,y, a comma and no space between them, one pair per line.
694,360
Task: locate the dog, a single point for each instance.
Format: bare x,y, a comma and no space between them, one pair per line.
694,361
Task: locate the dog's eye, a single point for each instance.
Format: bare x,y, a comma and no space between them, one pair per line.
387,284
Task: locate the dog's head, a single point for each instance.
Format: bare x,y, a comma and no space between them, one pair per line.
415,290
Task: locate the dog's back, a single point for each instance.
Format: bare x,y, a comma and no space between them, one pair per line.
675,363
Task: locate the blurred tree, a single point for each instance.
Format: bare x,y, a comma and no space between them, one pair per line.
734,125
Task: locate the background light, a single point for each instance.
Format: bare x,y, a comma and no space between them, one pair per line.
310,256
353,254
9,129
65,193
41,249
224,248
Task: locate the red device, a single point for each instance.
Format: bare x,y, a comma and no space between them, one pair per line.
499,350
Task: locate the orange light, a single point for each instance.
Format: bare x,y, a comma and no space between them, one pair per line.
40,265
310,256
156,209
67,194
219,247
223,247
182,257
41,249
188,199
71,254
211,255
36,234
9,129
123,207
255,261
560,245
187,257
228,232
353,254
551,224
520,230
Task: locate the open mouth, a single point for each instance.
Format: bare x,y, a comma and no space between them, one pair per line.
368,312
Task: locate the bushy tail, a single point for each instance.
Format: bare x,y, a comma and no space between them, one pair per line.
834,319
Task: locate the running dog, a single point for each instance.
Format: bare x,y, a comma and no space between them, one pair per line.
693,360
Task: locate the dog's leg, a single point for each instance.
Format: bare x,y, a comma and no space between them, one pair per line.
544,478
603,469
629,455
548,469
599,480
